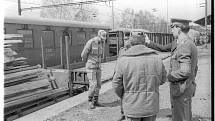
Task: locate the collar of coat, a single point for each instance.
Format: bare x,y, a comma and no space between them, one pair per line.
182,38
137,50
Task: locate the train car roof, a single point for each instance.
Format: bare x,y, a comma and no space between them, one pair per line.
52,22
140,30
120,29
128,30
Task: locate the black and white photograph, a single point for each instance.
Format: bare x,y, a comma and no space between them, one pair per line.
107,60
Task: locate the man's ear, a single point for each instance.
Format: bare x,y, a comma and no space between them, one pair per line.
179,30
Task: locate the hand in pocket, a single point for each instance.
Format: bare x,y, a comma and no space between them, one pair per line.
182,87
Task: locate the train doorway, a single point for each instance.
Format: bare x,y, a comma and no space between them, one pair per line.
116,40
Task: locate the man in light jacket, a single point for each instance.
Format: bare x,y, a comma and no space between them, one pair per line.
92,54
139,73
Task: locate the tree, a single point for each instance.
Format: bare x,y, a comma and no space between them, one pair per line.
142,20
80,13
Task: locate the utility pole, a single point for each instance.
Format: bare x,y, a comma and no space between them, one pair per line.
167,27
19,8
112,15
206,15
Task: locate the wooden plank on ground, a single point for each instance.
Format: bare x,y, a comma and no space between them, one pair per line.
33,97
7,45
22,69
12,41
26,95
17,90
8,68
21,79
14,76
8,36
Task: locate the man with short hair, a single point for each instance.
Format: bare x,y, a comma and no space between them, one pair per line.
92,54
139,72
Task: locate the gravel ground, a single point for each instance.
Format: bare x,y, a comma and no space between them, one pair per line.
110,111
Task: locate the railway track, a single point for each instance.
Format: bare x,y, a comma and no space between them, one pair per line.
54,96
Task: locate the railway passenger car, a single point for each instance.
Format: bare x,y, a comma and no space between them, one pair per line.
49,32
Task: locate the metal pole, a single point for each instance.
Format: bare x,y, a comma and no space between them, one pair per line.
43,55
67,52
70,83
19,7
61,52
167,28
206,24
112,15
206,15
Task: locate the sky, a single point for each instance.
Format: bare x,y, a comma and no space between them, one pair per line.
187,9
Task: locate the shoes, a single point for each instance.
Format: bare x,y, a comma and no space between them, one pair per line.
97,104
96,101
121,118
91,105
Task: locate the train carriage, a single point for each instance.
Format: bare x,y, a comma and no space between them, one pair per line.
49,32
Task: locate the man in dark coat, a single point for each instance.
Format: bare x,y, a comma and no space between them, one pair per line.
139,72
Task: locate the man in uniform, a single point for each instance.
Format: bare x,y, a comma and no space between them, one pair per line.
183,69
91,54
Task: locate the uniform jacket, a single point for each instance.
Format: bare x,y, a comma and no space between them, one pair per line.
183,67
92,53
139,73
163,48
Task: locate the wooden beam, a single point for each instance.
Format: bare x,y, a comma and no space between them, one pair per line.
43,54
8,36
22,69
12,41
26,88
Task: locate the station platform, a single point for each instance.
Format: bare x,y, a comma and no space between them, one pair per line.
107,73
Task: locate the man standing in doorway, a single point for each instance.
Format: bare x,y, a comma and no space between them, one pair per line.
92,54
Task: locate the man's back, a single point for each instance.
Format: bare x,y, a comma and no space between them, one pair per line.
139,73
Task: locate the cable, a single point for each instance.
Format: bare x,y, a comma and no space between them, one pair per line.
66,4
24,2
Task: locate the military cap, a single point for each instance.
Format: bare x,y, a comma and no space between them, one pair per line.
181,23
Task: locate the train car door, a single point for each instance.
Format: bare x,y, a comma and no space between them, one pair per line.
120,42
48,48
115,41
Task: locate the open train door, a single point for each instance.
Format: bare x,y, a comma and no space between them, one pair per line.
115,41
48,49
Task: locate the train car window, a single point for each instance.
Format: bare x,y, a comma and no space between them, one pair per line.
48,39
81,38
27,38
